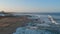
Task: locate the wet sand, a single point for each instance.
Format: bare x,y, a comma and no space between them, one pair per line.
8,25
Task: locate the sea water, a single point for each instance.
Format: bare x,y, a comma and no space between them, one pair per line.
24,30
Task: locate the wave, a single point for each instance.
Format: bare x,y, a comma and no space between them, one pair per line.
35,30
52,20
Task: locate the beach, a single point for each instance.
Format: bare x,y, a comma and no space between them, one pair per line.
28,23
8,25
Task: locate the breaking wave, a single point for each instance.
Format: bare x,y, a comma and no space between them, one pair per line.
25,30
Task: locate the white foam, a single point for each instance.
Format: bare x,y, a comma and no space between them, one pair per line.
52,19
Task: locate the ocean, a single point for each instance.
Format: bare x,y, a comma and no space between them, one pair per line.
24,30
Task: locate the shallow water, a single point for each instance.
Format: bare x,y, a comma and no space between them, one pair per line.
24,30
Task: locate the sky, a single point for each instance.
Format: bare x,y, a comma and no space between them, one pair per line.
30,5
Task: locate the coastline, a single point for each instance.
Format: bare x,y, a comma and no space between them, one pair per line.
8,25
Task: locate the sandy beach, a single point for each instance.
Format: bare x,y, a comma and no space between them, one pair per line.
8,25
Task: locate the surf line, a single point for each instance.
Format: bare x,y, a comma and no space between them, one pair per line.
51,19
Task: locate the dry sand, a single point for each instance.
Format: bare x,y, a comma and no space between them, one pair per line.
8,25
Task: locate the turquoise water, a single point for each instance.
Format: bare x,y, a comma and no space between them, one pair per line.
24,30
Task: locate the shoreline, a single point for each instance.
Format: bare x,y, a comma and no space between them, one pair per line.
13,23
